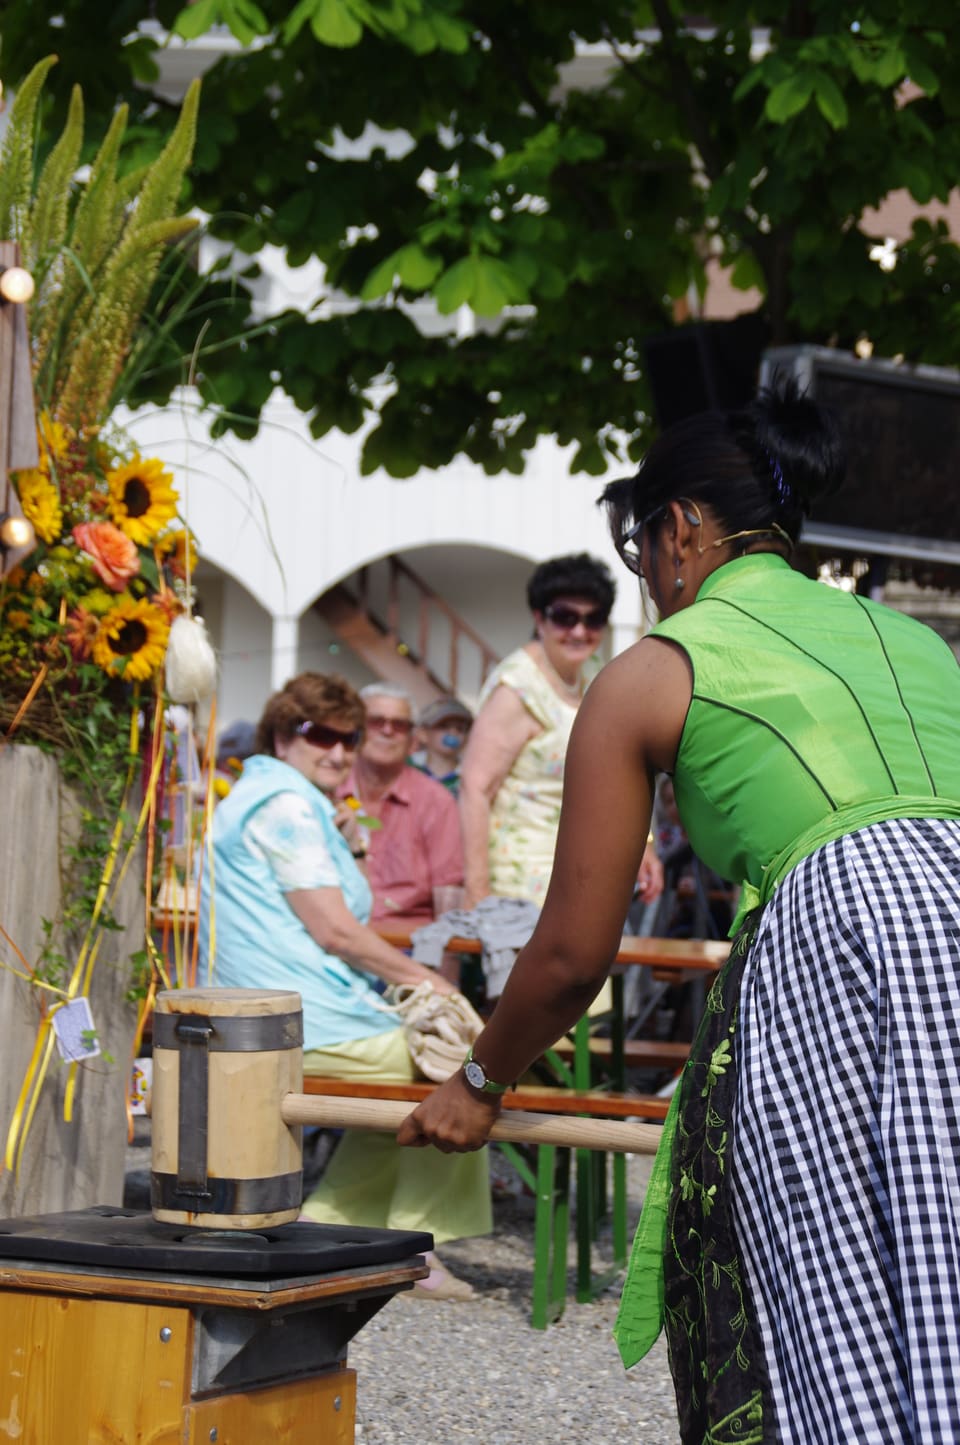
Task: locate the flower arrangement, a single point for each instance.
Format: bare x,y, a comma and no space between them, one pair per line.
93,603
87,614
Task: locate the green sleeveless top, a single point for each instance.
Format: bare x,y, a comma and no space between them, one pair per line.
814,712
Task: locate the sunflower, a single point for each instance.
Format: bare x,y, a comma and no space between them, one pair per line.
175,548
40,501
142,499
131,640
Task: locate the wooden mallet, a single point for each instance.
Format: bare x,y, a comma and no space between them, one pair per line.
227,1108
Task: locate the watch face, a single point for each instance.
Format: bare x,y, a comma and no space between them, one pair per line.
475,1075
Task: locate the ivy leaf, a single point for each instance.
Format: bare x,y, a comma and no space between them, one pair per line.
790,97
830,101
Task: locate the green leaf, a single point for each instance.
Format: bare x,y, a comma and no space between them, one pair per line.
890,67
589,458
245,19
753,78
452,34
830,101
419,37
297,19
747,273
196,19
417,268
414,266
334,23
790,97
495,285
454,286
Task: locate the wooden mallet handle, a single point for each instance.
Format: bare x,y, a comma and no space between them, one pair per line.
515,1127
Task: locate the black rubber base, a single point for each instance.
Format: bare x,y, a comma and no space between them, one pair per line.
130,1239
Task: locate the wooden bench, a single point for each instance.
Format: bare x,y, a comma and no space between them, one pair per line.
637,1053
549,1180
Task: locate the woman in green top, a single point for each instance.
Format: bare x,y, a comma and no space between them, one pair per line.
804,1204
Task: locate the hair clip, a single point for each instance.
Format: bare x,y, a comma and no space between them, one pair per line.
783,487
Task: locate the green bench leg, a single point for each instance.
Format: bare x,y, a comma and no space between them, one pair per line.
550,1186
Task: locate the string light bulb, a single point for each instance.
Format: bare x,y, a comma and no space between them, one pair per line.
15,532
16,285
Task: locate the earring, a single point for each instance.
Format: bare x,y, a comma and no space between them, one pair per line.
679,584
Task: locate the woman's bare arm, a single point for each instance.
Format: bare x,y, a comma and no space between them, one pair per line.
328,920
501,731
627,729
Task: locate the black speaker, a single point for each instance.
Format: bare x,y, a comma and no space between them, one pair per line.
704,365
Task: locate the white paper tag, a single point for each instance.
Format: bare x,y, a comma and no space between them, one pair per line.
141,1079
75,1031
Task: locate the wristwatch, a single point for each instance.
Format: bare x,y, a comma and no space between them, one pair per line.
476,1076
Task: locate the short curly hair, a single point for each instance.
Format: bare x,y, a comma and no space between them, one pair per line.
577,575
308,697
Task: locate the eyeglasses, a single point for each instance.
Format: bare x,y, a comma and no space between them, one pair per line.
376,722
568,617
319,735
631,555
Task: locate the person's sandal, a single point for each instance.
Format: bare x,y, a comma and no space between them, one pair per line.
440,1284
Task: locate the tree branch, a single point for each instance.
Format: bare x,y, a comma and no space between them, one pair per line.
685,90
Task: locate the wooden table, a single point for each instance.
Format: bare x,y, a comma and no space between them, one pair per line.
104,1354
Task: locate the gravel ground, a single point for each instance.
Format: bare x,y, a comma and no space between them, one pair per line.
429,1372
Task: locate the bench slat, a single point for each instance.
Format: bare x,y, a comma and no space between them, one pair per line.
544,1100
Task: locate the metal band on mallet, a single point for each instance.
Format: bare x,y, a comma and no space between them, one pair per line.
517,1126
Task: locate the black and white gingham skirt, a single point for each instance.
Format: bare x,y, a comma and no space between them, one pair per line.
846,1166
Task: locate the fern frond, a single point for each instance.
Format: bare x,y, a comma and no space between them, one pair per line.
17,155
46,230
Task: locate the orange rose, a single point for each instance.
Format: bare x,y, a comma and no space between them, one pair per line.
115,558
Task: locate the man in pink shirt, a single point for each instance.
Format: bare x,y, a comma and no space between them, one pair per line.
417,847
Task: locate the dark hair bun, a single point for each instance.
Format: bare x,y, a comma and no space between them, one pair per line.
794,433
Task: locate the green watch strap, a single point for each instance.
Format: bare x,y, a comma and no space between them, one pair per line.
488,1086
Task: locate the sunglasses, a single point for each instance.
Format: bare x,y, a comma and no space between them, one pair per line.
569,617
318,735
380,724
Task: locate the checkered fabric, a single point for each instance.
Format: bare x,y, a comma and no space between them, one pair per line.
846,1165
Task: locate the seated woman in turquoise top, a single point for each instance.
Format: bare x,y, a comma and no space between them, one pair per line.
285,905
799,1236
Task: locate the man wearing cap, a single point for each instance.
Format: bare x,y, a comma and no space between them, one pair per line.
442,729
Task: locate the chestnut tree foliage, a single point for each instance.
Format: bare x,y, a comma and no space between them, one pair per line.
448,152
